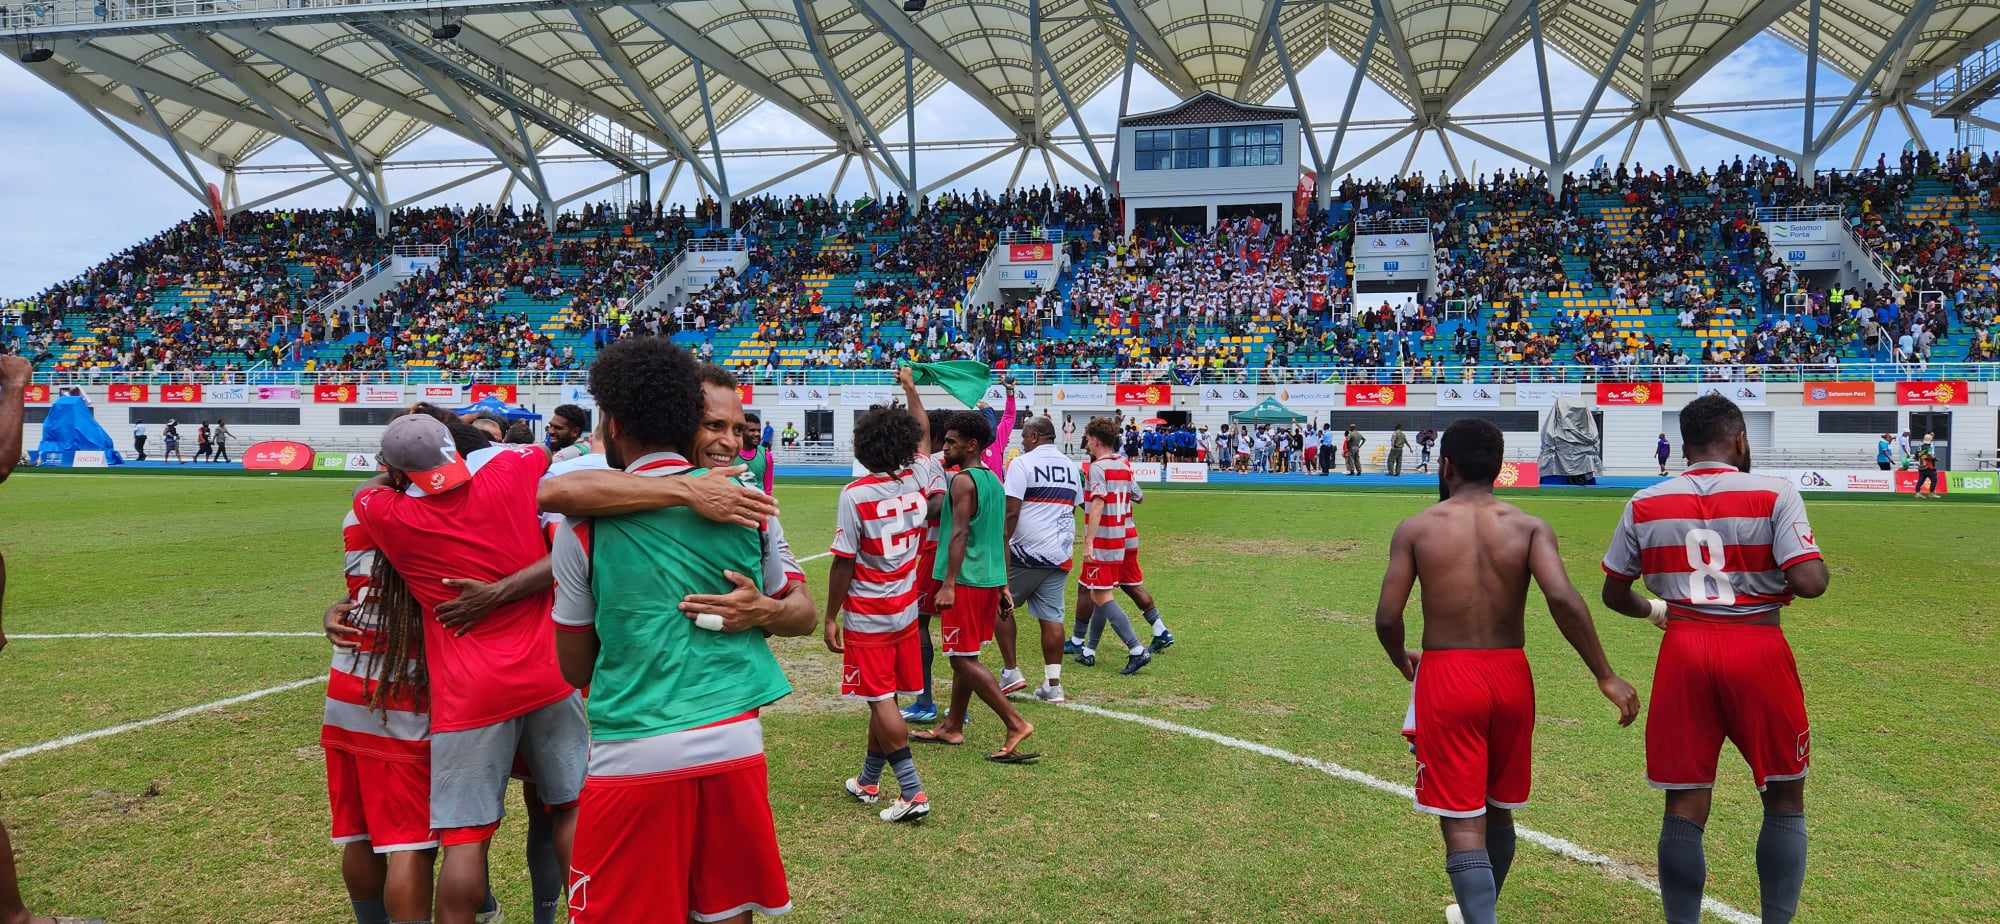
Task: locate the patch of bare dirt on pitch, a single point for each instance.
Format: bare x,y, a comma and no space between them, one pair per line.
1159,700
1220,549
815,676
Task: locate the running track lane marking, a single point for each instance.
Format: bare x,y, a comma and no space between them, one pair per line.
176,715
1610,867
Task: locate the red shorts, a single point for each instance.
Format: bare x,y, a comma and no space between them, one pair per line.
1716,681
1129,574
384,802
1475,730
926,585
969,623
879,665
1102,575
701,848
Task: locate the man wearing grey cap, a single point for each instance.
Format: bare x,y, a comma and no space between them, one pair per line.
494,687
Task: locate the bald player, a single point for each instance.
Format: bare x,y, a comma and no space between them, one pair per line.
1475,704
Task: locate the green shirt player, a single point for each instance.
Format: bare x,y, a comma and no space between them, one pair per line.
665,616
971,571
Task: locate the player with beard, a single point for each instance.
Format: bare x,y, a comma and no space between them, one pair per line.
871,604
1474,704
664,616
1724,551
972,574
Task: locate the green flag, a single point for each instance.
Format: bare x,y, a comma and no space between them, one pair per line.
964,378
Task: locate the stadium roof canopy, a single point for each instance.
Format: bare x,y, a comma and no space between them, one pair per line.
642,85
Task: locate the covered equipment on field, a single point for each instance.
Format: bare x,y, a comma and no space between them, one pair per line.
1570,445
71,428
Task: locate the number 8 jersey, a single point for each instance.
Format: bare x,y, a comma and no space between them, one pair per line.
1714,543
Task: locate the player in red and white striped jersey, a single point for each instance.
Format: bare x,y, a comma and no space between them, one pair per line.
928,469
378,764
1723,550
1107,497
871,603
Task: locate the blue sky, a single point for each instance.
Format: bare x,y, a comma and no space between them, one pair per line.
76,194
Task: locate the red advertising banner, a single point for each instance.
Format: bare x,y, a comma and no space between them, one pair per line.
1906,481
746,393
1030,253
1840,392
180,394
503,392
279,456
1623,393
127,394
1153,395
1377,395
334,394
36,394
1948,391
1519,475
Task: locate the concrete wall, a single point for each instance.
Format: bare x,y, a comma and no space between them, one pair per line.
1209,187
1784,425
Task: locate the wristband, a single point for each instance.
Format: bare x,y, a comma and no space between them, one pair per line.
709,621
1658,616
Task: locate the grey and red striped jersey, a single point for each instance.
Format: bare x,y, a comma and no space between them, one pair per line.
879,525
1109,479
930,476
1714,543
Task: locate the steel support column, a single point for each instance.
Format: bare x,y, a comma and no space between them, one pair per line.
1673,144
714,142
970,168
173,141
780,178
858,124
1298,99
1324,184
1867,135
377,202
1639,14
1062,95
1124,106
1893,49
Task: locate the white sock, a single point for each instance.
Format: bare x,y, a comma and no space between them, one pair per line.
1090,652
1078,639
1053,672
1159,627
1138,650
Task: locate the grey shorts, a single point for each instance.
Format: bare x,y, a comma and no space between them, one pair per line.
469,768
1040,590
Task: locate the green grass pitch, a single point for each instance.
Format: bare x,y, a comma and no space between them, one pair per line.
221,816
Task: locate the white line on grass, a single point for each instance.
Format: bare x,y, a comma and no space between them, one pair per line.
176,715
1614,868
45,636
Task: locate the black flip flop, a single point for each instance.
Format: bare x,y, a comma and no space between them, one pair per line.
1014,757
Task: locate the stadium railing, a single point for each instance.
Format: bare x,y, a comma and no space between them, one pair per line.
1272,375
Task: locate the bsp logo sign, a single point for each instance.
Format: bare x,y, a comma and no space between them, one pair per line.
1972,482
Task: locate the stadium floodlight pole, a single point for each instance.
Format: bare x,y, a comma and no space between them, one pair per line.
858,124
1325,182
1893,49
1069,106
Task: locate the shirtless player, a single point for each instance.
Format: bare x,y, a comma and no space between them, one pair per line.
1475,707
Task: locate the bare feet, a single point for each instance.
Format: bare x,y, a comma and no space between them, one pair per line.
1014,738
940,735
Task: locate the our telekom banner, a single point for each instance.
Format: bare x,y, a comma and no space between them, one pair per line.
36,394
1377,395
1629,393
180,394
1947,391
127,394
1155,394
482,391
335,394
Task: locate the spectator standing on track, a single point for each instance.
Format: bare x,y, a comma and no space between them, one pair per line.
1882,459
790,437
1350,449
1426,438
1926,473
221,441
1661,451
204,443
14,374
1398,442
1326,450
172,437
139,440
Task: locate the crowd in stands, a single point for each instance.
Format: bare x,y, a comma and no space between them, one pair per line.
863,284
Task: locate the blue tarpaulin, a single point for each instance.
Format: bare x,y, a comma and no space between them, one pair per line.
490,404
69,428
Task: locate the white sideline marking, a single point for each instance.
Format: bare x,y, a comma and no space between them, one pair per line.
1613,868
44,636
63,742
814,557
